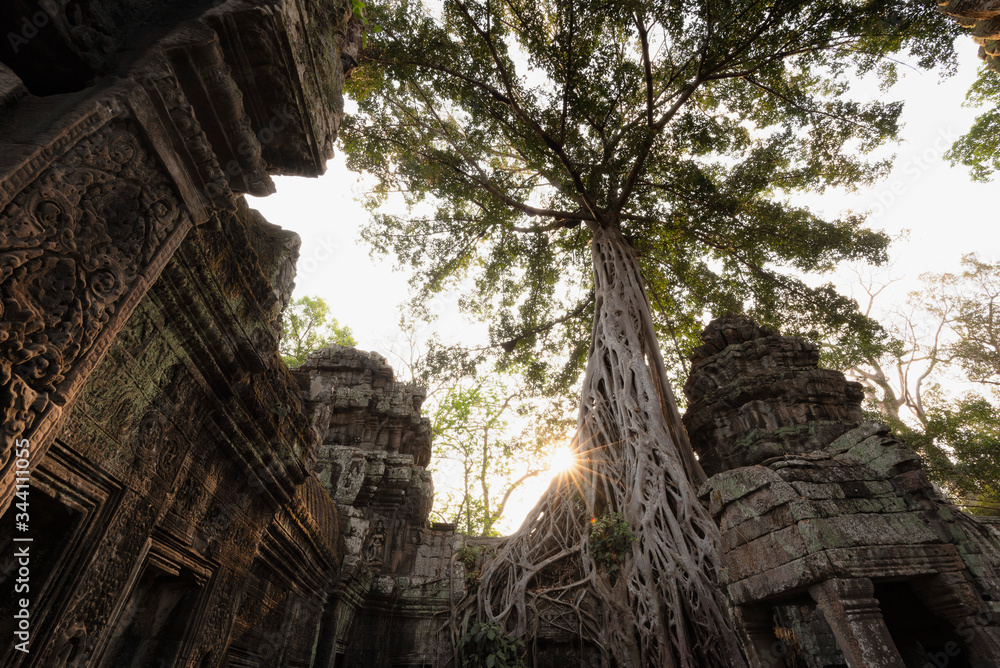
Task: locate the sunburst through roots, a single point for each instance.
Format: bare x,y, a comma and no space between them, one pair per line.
662,603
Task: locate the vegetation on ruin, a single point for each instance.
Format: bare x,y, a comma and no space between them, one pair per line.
603,174
307,326
610,538
486,645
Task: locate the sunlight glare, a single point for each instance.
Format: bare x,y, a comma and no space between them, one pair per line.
561,459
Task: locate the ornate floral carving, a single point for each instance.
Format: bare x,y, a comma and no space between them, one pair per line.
74,244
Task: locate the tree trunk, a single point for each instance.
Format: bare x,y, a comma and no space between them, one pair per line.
664,607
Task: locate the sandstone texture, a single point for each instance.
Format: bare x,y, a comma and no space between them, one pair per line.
839,551
190,501
983,17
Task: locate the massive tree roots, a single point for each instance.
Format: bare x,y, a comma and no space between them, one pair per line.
664,606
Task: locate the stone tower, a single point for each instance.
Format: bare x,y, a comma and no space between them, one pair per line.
839,551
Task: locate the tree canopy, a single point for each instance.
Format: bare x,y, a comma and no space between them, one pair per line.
507,124
979,149
307,326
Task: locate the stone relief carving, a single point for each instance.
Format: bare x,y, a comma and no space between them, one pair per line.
74,244
375,544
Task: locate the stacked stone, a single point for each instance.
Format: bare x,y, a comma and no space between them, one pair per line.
787,523
814,503
754,394
372,457
983,16
368,409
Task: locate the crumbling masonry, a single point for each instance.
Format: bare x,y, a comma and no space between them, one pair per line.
181,498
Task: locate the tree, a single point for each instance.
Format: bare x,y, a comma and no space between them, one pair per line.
487,432
948,332
307,326
979,149
472,429
976,294
572,159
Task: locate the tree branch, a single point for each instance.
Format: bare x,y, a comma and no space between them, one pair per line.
509,346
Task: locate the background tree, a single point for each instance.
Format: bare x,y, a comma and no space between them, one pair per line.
947,337
979,149
472,430
307,326
489,436
565,157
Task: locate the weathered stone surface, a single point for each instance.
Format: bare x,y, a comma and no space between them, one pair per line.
194,503
373,446
754,395
125,124
175,515
810,498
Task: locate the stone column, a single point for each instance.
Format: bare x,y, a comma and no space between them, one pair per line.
852,611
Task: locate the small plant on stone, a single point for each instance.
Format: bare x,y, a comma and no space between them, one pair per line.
358,9
468,556
486,645
610,538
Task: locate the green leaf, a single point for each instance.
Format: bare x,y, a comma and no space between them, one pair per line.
308,326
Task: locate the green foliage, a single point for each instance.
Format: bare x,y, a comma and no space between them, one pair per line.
976,302
486,645
952,328
610,540
308,326
469,556
358,8
512,129
483,430
979,149
970,426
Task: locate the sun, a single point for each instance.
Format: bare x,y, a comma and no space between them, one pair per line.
562,459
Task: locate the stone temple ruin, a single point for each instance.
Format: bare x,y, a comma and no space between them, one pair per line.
192,502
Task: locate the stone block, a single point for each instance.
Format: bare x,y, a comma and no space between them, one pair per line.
768,550
778,579
860,433
731,485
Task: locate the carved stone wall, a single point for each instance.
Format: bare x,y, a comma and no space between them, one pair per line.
830,528
123,125
399,576
173,516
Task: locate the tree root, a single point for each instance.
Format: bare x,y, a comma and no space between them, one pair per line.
665,606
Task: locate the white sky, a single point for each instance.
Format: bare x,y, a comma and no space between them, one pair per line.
944,213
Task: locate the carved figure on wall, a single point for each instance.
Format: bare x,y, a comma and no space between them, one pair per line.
375,544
